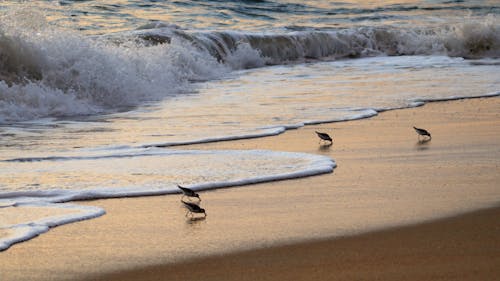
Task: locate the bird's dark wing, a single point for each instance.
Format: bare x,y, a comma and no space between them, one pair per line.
421,131
186,190
324,136
192,207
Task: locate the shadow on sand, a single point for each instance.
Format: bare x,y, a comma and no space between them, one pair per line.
195,220
325,147
423,144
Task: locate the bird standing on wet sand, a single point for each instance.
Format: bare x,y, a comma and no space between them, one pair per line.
324,136
422,132
188,192
193,208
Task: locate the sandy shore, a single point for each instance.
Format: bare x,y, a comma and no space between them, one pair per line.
459,248
385,178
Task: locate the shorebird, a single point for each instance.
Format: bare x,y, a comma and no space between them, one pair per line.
324,136
422,132
193,208
186,192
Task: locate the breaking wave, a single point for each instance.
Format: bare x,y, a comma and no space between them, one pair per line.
52,72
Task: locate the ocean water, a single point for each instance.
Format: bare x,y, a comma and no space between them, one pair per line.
95,96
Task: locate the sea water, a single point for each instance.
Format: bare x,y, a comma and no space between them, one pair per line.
96,96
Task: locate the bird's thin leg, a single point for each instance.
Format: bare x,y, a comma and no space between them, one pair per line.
186,214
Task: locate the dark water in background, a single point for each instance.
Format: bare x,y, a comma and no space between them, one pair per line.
102,17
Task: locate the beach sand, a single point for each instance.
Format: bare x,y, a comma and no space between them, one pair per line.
377,217
460,248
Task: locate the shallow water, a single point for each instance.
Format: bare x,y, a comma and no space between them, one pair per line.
94,96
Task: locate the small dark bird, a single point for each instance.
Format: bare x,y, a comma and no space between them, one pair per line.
186,192
324,136
422,132
193,208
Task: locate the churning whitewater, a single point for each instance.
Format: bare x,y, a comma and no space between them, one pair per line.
48,71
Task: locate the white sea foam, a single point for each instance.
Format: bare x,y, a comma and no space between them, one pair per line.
51,72
271,166
262,132
24,230
449,98
470,39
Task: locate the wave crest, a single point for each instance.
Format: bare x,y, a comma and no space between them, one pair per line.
49,72
57,72
475,39
468,40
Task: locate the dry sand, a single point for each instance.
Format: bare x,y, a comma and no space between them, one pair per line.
385,178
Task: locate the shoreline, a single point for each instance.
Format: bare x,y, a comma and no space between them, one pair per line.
141,232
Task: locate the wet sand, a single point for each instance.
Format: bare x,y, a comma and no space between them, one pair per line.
460,248
387,184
